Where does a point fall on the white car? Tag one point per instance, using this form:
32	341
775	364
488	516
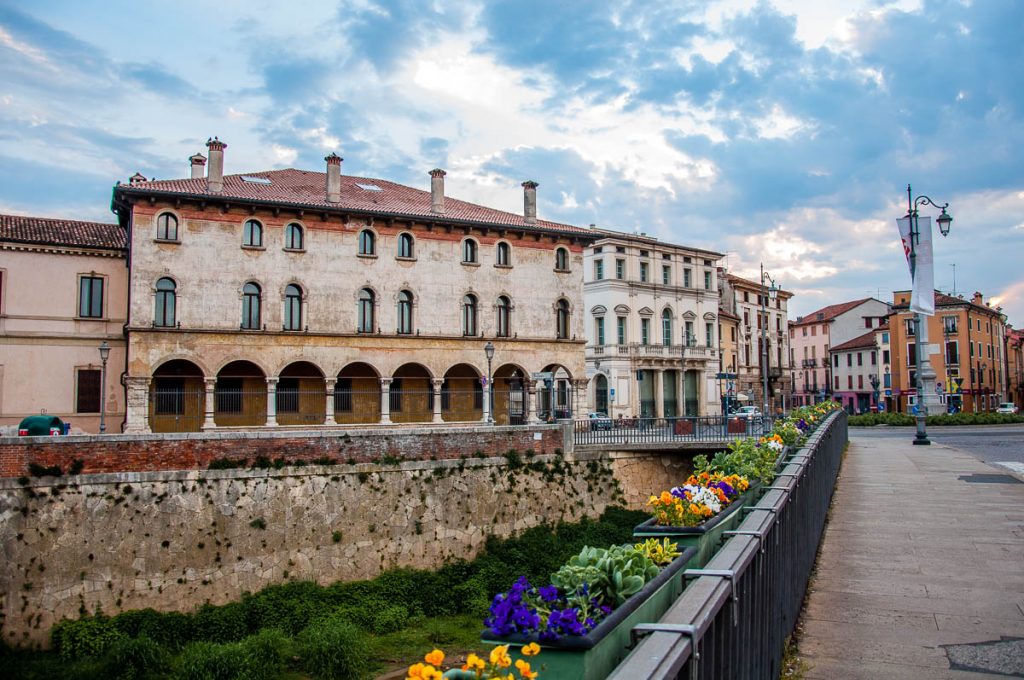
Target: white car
1008	408
747	412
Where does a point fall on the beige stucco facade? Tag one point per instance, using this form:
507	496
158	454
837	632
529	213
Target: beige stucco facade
335	372
46	347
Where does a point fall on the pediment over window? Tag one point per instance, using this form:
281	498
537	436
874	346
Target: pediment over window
621	309
689	316
709	317
599	310
646	311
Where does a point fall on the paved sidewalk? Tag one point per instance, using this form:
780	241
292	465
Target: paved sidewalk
921	572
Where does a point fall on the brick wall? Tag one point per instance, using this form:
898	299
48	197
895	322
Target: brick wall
195	451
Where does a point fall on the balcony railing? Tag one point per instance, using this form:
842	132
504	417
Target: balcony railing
636	349
650	430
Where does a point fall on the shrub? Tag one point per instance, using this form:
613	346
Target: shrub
220	624
288	606
135	658
333	648
37	470
85	638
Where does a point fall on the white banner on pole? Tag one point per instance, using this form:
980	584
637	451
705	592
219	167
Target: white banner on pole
922	296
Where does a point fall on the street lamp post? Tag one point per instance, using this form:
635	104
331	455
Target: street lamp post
773	291
104	355
489	353
925	375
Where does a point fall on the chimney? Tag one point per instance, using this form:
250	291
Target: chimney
198	162
530	201
977	299
136	178
437	190
215	175
333	177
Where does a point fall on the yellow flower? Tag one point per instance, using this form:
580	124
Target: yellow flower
524	670
666	497
531	649
431	673
435	658
415	672
500	657
474	663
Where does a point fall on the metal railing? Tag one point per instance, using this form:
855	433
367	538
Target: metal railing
669	430
734	616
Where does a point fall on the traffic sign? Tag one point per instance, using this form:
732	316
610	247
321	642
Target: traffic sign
725	376
545	375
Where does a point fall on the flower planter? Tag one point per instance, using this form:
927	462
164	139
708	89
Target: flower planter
593	656
706	536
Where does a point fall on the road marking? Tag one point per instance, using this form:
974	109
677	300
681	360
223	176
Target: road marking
1017	469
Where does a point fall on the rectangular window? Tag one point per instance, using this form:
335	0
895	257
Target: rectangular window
885	356
836	381
600	330
643	272
707	280
887	382
709	335
952	354
860	358
620	269
666	275
860	382
949	324
732	333
849	359
910	326
620	249
87	398
835	360
885	338
690	340
849	382
90	297
814	331
687	274
970	346
805	331
645	331
911	354
746	318
874	358
620	329
598	270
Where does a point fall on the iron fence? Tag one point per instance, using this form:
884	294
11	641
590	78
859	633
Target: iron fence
669	430
734	616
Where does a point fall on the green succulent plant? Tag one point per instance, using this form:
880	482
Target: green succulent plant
610	574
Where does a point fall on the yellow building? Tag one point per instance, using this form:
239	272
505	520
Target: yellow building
968	353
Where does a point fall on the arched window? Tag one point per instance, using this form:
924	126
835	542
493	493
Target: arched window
469	251
251	317
405	312
366	311
167	227
666	327
252	234
367	242
562	259
503	256
469	315
293	237
562	320
504	317
166	303
405	246
292	308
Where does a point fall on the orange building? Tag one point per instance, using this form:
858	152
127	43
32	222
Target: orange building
968	353
1015	366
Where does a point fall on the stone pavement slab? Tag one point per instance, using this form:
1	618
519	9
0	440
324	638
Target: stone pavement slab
921	570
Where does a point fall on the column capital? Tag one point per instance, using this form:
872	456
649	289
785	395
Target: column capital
210	382
138	381
438	383
386	382
272	382
331	383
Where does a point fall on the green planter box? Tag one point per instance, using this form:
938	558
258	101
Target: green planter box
593	656
706	536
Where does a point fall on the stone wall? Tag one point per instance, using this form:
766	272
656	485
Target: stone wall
174	540
643	474
188	451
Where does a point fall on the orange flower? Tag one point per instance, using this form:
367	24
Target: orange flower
524	670
435	658
474	663
500	657
531	649
666	497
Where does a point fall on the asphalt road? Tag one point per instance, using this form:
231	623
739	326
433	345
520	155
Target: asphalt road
987	443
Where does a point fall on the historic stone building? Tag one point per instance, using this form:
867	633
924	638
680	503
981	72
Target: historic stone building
743	298
292	297
652	327
63	287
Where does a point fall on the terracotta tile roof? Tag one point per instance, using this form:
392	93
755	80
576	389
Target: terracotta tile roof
828	313
859	342
727	314
943	300
308	189
57	232
753	285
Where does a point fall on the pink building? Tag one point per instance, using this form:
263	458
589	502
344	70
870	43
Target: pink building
812	336
63	292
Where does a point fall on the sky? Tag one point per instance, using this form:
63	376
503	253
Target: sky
781	132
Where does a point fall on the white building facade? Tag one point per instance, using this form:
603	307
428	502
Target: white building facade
651	326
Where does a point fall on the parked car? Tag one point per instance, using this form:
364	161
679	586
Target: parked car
600	421
1007	407
747	412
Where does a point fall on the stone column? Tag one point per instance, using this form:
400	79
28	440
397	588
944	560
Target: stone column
580	397
385	401
487	402
330	384
531	403
208	403
272	402
137	406
436	384
659	393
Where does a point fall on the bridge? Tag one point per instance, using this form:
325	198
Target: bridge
666	434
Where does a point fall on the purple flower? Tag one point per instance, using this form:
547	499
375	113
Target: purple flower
548	593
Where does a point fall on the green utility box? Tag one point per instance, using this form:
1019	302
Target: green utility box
40	426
